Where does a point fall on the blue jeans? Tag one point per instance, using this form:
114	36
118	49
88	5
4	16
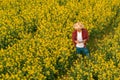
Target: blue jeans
83	51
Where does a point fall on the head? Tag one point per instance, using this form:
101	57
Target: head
78	26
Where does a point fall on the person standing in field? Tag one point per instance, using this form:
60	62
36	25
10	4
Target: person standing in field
79	38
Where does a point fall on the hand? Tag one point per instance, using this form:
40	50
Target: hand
77	42
80	41
84	41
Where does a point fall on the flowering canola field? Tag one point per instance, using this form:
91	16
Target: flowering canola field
35	40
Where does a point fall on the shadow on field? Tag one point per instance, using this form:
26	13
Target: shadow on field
94	36
97	34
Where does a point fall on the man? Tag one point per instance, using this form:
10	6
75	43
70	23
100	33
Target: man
79	38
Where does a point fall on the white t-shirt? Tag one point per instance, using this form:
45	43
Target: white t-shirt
79	38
